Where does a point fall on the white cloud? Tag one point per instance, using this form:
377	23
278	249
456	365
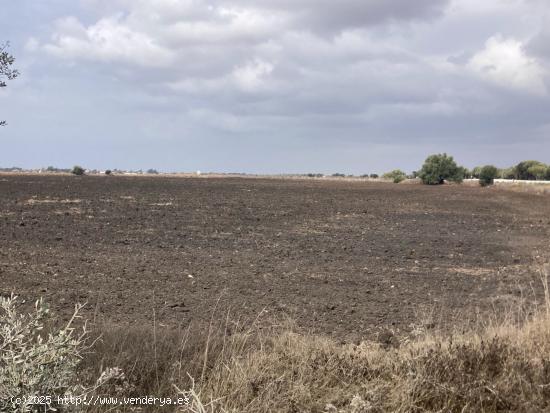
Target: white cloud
230	46
163	32
109	40
252	75
504	62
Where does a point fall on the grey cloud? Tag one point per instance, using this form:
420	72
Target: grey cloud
275	86
539	45
318	15
199	40
364	13
334	16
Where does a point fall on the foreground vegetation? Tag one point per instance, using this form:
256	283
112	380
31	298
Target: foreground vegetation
227	367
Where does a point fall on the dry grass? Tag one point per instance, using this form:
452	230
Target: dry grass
154	360
534	187
503	367
508	371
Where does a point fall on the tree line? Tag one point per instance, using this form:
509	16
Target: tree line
440	168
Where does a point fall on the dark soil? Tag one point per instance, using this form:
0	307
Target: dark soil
348	259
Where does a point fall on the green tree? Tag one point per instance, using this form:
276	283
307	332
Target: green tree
466	173
487	175
78	170
476	171
440	168
508	173
538	171
396	176
6	70
525	170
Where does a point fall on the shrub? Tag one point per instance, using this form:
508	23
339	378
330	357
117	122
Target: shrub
77	170
39	365
33	363
487	175
439	168
396	176
152	171
339	175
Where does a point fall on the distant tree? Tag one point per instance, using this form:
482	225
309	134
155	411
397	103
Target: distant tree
6	70
152	171
538	171
108	172
396	176
440	168
339	175
476	172
487	175
526	170
466	173
374	176
507	173
78	170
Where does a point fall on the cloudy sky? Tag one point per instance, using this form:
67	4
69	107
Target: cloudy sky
270	86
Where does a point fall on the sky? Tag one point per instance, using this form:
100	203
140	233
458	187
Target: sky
275	86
